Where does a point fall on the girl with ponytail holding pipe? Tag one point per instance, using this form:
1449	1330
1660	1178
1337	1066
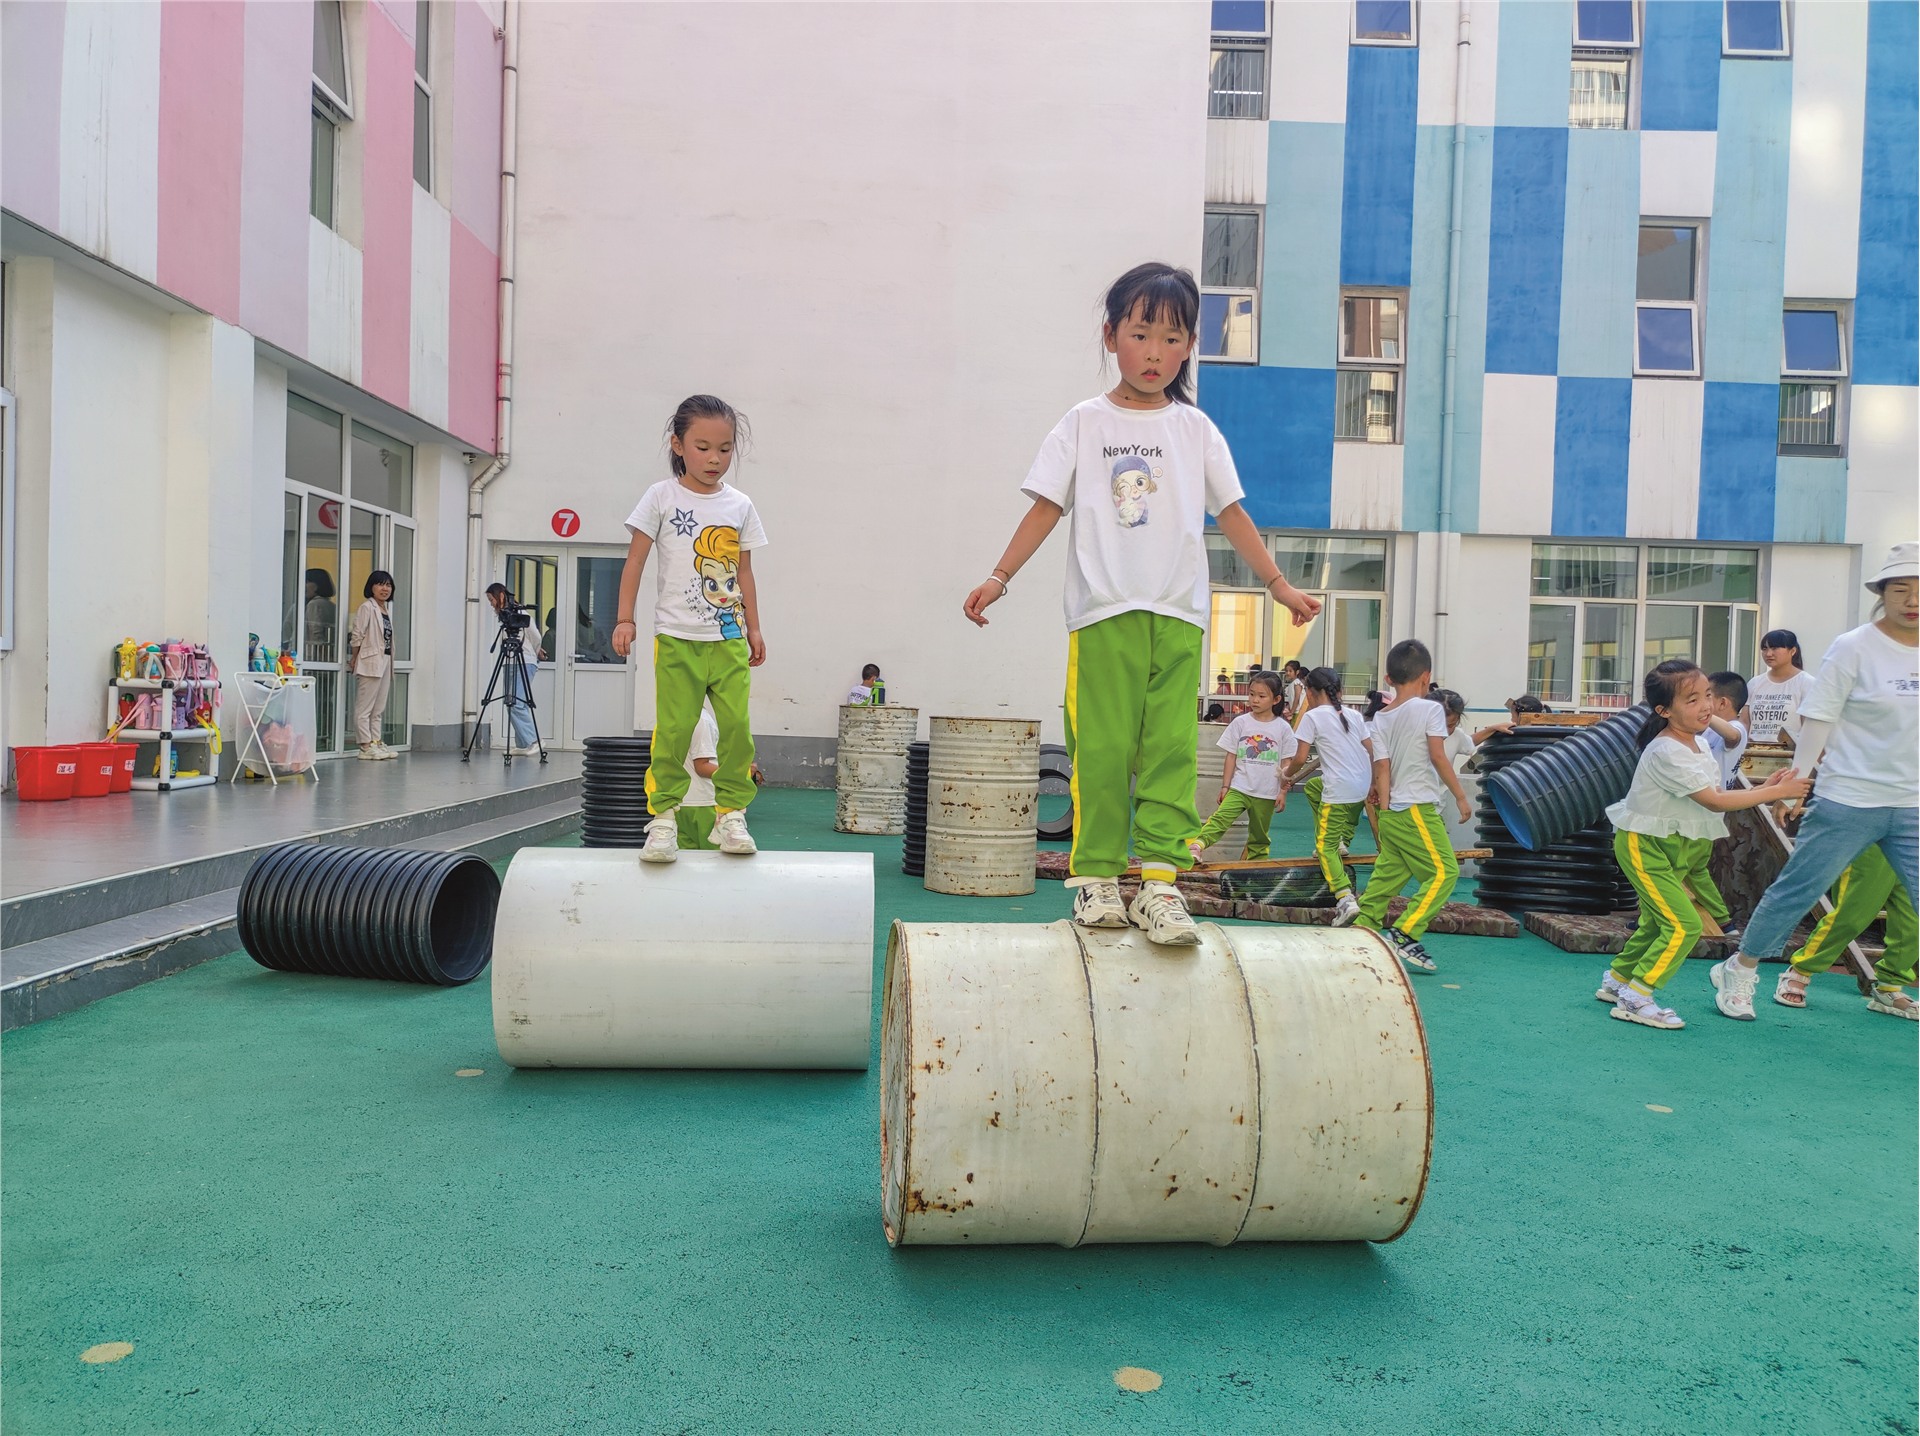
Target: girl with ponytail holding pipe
1337	795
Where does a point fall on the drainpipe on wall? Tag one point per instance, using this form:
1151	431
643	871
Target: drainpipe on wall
1443	589
503	400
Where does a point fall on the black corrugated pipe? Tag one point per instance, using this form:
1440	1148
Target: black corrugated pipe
1056	777
1567	786
913	846
391	913
1575	875
613	792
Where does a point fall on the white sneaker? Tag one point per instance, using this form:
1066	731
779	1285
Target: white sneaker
526	752
1733	986
730	832
1161	912
1345	909
663	839
1096	903
1610	988
383	752
1343	850
1638	1007
369	753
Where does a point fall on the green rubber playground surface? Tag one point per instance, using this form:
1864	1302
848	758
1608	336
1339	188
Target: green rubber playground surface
278	1190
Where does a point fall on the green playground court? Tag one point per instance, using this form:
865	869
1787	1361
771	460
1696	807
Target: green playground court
286	1196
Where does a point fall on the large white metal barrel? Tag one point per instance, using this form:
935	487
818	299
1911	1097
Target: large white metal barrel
1055	1084
601	960
983	799
1206	794
870	768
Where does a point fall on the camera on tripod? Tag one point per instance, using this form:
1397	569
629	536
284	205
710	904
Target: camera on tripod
515	616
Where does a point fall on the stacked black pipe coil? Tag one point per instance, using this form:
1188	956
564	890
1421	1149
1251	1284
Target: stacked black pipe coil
1056	780
913	847
613	792
1577	874
390	913
1566	786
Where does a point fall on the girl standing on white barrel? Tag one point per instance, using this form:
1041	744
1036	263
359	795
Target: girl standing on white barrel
1140	468
1864	715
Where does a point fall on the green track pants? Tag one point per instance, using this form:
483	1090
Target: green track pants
686	673
1863	889
1132	681
1333	824
1259	813
695	826
1663	872
1413	847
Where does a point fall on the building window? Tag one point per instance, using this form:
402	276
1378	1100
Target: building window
1755	29
1238	89
1373	354
1602	87
1611	23
332	105
422	97
1813	367
1249	630
1385	22
1667	318
1230	285
1591	601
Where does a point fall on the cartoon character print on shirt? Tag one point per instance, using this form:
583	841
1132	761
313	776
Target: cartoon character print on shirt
1133	479
715	592
1259	748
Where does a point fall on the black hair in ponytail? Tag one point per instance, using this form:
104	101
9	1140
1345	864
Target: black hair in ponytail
1376	700
1327	681
703	406
1662	686
1784	638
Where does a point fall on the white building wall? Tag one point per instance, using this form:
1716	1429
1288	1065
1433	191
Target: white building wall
1814	590
900	292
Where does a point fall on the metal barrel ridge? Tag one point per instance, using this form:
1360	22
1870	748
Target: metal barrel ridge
1568	784
983	800
396	914
1055	1084
870	768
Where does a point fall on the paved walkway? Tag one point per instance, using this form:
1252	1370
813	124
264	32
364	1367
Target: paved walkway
280	1192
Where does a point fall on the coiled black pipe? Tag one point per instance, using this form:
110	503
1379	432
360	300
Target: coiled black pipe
1568	785
391	913
1056	777
1574	875
913	845
613	792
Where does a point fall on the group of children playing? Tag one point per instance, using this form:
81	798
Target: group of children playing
1136	471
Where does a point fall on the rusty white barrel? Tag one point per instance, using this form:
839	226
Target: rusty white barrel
1206	794
983	800
870	768
1056	1084
601	960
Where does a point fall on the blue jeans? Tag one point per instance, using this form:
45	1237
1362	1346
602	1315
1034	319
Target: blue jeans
519	710
1831	837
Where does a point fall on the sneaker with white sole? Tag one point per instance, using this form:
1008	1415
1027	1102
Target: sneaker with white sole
369	753
1161	912
663	839
384	751
1345	909
1412	954
1610	988
731	835
1733	987
1097	904
1639	1007
1894	1002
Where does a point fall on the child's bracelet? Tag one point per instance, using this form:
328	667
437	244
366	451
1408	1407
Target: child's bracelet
1004	589
628	623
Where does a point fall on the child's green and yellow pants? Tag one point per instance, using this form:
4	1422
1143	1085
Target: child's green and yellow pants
1666	873
1867	886
1259	813
1333	824
686	673
1413	846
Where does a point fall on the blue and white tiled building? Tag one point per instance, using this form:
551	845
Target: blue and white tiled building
1565	334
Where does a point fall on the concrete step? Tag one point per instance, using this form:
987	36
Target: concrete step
66	970
33	917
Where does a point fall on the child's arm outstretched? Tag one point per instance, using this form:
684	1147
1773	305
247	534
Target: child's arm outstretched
750	608
1443	765
1245	538
624	631
1026	541
1784	784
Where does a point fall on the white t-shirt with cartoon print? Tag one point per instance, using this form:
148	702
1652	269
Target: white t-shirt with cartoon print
697	542
1137	488
1258	748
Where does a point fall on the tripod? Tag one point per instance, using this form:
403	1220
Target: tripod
512	651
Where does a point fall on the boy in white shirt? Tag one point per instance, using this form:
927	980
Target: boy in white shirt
695	816
1726	735
1256	744
870	690
1411	772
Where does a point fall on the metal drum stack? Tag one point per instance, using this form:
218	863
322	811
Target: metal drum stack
983	799
613	792
913	848
1576	874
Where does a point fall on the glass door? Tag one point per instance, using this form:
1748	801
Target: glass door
324	613
599	682
534	579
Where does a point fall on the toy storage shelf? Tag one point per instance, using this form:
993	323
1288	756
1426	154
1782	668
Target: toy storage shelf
165	737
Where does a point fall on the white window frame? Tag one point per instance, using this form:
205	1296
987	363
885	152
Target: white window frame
1693	306
1274	620
1631	58
1836	379
423	84
335	110
1240	291
1581	42
1785	52
341	105
1411	42
1261	40
1359	364
1818	306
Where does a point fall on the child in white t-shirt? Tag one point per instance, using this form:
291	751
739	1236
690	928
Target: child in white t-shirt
706	622
871	690
1256	743
1138	469
1336	795
1726	735
1772	713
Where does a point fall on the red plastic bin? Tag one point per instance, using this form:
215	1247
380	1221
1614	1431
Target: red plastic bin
94	779
124	757
45	775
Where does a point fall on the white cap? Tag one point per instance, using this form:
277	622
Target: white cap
1903	561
